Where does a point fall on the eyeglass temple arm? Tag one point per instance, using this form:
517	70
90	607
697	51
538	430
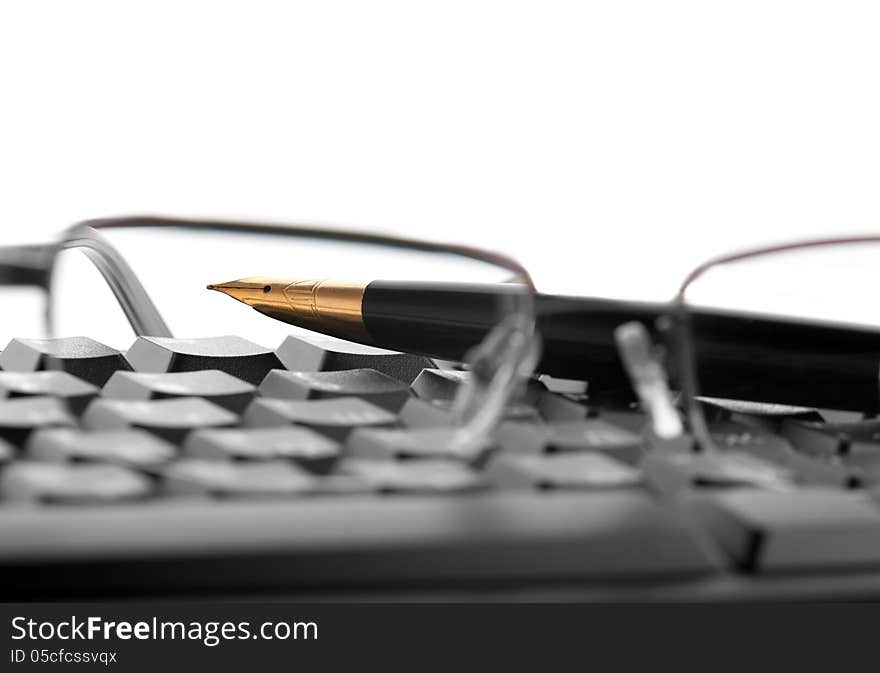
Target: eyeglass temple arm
140	310
33	265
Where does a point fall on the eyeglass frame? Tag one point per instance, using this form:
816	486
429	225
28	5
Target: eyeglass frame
676	326
495	381
33	265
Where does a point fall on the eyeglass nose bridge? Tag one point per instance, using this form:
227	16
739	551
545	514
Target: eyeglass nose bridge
499	366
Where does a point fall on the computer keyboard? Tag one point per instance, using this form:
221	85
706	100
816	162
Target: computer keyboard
215	466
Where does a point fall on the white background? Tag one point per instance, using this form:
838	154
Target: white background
608	145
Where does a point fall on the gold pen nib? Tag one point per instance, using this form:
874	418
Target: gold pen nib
331	307
251	291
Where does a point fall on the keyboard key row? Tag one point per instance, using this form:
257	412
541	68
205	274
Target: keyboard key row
419	413
133	448
174	417
299	444
239	357
313	352
211	477
568	436
147	451
19	417
214	385
95	362
335	417
75	392
72	483
563	471
85	358
226	371
171	419
596	537
406	444
59	465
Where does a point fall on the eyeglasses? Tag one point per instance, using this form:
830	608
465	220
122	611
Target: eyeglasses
768	332
810	337
114	279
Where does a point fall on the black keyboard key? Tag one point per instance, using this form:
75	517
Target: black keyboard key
808	529
574	388
758	417
594	539
419	413
215	386
19	417
414	476
72	483
313	352
334	417
132	448
438	384
373	386
171	419
442	385
766	446
405	444
839	458
674	474
815	439
237	479
566	436
863	457
571	470
861	430
555	407
231	354
7	451
631	419
829	440
834	473
75	392
302	445
733	435
85	358
717	409
597	540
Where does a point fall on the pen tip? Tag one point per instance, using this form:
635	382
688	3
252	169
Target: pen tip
247	290
229	285
222	287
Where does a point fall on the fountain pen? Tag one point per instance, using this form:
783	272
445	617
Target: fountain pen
739	356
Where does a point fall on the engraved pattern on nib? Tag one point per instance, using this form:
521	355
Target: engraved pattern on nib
301	297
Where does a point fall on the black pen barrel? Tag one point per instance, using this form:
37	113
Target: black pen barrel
738	357
442	320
